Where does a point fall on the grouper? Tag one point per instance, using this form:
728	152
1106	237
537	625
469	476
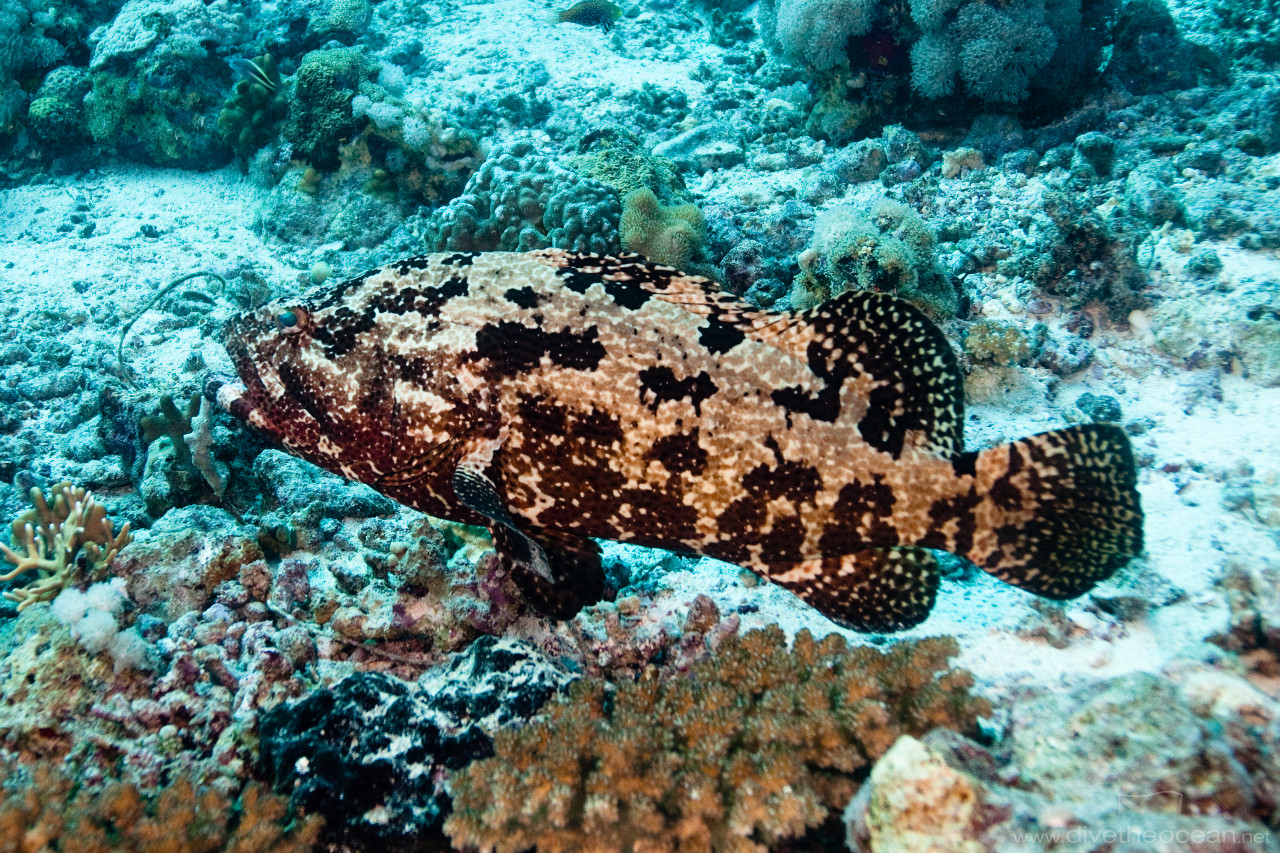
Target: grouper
560	398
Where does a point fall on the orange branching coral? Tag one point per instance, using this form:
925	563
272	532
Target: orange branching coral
43	810
48	539
757	744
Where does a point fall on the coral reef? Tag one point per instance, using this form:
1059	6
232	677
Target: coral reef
755	745
1082	192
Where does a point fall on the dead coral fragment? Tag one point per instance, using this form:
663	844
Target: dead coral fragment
757	744
48	539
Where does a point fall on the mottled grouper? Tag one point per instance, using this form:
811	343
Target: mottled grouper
556	398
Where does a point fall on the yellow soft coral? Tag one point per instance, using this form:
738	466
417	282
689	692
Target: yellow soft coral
47	539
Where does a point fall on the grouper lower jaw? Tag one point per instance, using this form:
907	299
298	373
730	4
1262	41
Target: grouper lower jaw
559	398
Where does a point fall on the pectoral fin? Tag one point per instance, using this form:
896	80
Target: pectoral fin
477	491
577	576
876	590
558	573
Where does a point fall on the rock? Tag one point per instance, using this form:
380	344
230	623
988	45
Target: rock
1131	736
1098	149
862	161
296	484
947	793
1101	408
1204	261
496	681
917	804
1150	197
706	147
176	571
744	265
369	753
52	385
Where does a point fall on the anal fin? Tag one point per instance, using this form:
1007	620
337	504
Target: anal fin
875	590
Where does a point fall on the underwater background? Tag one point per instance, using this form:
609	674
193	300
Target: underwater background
208	644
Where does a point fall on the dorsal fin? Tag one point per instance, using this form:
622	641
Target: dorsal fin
694	293
918	399
920	389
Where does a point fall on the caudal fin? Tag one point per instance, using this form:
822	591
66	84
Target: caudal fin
1063	510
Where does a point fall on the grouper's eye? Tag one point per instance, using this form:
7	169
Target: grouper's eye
291	321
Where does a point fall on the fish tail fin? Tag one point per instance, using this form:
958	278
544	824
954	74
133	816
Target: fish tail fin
1063	509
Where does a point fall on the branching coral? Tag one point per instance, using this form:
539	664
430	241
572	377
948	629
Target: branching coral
49	539
757	744
43	809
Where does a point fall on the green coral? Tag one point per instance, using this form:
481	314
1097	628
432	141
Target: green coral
619	160
520	200
889	249
55	122
320	117
997	342
152	123
756	744
254	107
56	115
344	16
665	235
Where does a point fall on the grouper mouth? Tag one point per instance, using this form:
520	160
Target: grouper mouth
245	395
